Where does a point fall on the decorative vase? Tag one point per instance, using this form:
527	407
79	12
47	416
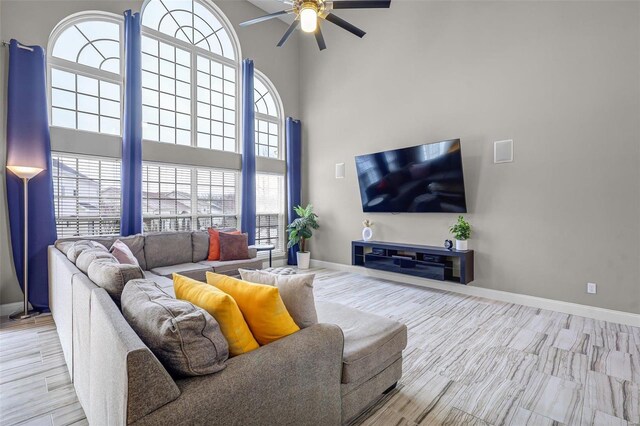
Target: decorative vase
367	233
461	245
303	259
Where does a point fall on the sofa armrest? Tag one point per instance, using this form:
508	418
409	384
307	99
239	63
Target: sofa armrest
293	381
253	253
126	380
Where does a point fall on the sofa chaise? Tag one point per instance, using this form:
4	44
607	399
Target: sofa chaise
326	374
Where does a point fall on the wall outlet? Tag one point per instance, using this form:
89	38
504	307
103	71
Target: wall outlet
591	288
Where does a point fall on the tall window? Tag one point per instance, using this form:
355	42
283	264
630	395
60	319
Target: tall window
190	69
270	210
179	198
86	74
268	118
86	193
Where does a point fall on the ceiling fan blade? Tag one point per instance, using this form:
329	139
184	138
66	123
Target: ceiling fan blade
362	4
320	39
265	17
290	31
345	25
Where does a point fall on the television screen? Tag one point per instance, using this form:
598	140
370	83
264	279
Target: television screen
423	178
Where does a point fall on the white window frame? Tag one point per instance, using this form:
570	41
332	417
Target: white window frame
280	249
279	120
195	51
193	216
81	69
98	218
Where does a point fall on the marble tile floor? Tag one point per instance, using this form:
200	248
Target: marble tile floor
469	361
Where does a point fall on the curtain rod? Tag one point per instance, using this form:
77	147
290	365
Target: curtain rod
5	43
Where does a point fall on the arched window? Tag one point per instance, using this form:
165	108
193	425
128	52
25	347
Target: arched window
85	66
190	69
268	110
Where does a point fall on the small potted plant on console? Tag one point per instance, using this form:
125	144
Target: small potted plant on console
300	230
462	231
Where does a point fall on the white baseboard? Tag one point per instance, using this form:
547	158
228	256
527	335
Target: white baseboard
593	312
9	308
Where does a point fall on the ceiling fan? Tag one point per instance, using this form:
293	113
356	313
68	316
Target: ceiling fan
309	12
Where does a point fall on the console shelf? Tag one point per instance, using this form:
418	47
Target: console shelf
436	263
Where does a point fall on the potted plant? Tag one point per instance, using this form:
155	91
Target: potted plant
462	231
300	230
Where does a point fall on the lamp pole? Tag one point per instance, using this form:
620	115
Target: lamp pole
25	173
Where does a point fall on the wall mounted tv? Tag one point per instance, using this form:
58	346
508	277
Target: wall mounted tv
418	179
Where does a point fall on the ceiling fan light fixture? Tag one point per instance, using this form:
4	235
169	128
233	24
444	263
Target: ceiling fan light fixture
309	17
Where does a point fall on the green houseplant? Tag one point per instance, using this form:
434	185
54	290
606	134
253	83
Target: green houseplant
300	230
462	231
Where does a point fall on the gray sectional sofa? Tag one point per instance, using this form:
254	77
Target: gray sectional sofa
326	374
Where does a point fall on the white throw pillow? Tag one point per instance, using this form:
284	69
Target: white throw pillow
296	292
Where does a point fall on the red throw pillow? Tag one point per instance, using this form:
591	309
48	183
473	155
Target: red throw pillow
234	246
214	242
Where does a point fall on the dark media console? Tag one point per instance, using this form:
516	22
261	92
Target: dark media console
436	263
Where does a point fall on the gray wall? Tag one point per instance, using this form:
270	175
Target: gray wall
560	78
31	22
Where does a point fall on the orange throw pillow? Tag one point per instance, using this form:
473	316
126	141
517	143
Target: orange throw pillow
214	243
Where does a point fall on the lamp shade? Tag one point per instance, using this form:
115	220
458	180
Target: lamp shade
25	172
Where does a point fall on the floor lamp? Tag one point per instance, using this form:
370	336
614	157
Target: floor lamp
25	173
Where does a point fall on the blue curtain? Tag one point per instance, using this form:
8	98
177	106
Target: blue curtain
294	175
248	213
28	144
131	173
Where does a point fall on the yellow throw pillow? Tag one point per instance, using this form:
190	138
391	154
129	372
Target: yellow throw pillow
222	307
261	306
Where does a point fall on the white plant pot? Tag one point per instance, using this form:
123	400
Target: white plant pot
462	245
367	234
303	259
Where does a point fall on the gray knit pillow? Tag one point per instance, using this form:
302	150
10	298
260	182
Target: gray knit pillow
81	245
113	276
87	257
185	338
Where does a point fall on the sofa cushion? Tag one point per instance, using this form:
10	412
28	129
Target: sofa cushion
162	282
113	276
223	308
191	270
214	241
231	267
296	292
88	256
233	247
185	338
199	246
167	248
79	246
64	245
123	253
136	244
261	306
370	341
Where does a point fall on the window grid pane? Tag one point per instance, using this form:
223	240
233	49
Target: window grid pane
166	93
216	105
270	210
86	195
267	140
168	192
191	22
84	103
92	43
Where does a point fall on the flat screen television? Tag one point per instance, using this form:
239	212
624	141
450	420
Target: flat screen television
418	179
